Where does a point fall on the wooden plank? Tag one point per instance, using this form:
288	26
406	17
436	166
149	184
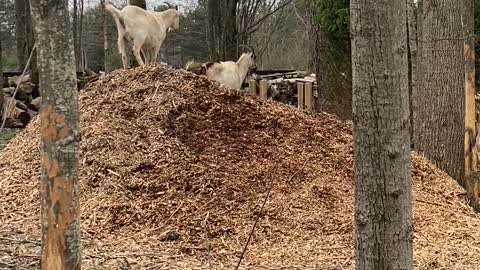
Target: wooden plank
300	92
263	89
308	97
252	87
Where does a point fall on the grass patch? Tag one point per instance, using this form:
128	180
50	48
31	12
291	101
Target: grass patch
6	135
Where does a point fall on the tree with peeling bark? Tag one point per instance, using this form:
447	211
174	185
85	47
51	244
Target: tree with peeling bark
381	138
439	118
60	136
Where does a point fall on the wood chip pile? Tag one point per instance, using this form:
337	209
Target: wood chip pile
174	169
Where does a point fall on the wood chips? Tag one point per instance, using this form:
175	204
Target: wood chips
174	169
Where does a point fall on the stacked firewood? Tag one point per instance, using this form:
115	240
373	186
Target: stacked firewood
18	110
282	85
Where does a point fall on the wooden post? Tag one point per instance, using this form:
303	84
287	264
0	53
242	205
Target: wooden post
300	95
252	87
263	89
308	96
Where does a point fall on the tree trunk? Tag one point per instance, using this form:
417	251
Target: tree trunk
383	210
412	57
230	31
80	37
139	3
222	29
21	34
60	136
1	80
75	35
439	118
214	25
33	62
106	55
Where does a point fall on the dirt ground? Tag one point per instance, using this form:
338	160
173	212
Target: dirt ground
174	170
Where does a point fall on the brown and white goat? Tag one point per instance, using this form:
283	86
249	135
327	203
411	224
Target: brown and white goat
144	30
229	73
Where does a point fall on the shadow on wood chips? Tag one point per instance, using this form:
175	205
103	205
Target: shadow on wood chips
173	171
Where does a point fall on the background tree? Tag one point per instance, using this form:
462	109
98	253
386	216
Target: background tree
331	55
381	138
438	120
138	3
21	32
60	136
1	79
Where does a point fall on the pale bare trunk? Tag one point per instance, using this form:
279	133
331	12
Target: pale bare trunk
60	135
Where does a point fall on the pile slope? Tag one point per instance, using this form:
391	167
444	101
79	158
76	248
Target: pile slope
174	169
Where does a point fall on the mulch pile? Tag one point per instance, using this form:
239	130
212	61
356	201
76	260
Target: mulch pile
175	168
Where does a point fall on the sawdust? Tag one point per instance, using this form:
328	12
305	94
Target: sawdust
174	169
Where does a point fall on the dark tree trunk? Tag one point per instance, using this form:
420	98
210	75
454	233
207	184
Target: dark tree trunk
75	35
21	33
383	210
106	54
60	136
139	3
33	62
412	57
80	37
222	29
1	81
439	118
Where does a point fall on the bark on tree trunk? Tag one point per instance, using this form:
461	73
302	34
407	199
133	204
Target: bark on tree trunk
139	3
60	135
439	119
75	34
412	57
383	211
1	81
222	29
106	55
21	34
80	34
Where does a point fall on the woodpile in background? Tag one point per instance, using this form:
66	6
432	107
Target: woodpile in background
21	108
282	85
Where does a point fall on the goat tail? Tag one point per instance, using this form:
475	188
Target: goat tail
117	16
115	11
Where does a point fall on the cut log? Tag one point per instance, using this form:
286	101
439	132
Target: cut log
15	80
26	87
9	90
21	105
82	81
22	116
36	104
90	72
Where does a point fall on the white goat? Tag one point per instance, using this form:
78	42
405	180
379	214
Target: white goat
146	30
229	73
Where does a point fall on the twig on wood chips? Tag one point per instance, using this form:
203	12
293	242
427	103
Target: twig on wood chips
263	206
256	221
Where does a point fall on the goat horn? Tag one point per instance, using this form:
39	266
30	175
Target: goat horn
170	5
248	46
